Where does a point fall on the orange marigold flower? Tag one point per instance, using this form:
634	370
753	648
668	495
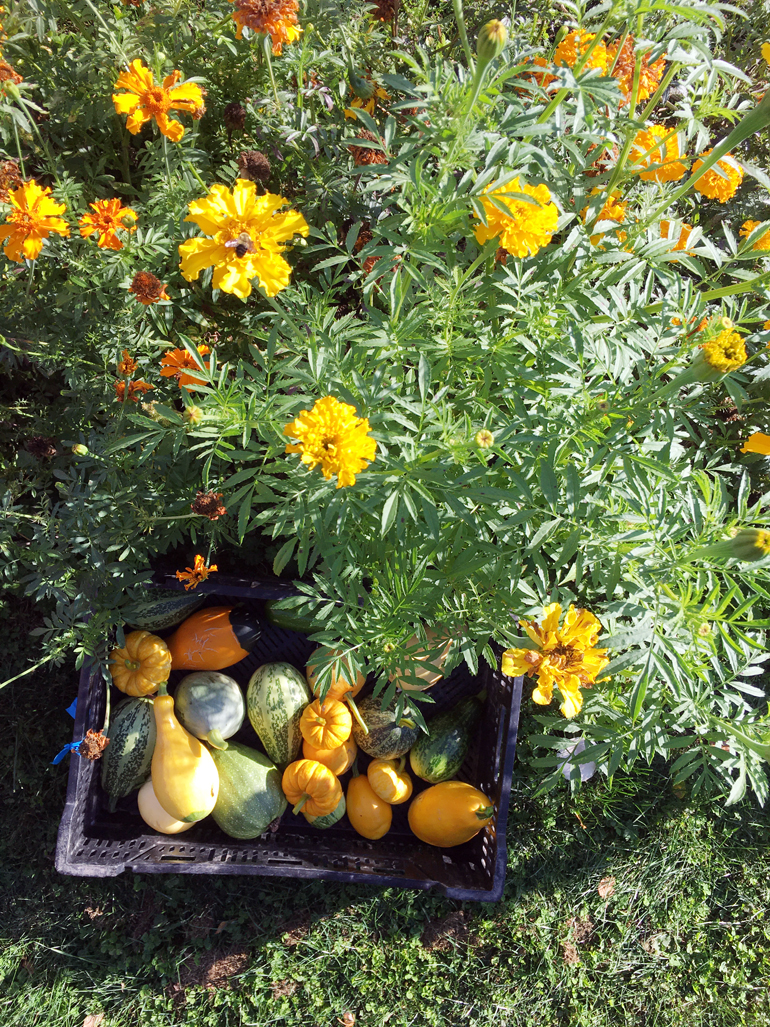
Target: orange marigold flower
9	178
625	67
145	100
660	159
108	217
7	74
147	288
135	390
34	216
543	78
613	209
127	366
758	442
274	18
527	226
178	362
718	186
574	45
193	576
763	242
666	230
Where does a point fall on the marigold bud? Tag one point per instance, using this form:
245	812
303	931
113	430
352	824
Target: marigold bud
491	41
484	438
80	450
193	415
750	544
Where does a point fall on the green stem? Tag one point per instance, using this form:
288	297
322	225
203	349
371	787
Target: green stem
29	670
356	713
215	739
457	7
301	803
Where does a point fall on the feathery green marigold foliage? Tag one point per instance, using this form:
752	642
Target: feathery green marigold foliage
487	342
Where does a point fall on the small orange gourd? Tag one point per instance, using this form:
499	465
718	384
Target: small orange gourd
312	787
327	724
342	687
141	665
390	781
450	813
369	815
337	760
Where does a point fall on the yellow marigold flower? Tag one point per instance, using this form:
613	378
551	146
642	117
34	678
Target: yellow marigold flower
107	218
758	442
145	100
565	657
366	105
274	18
176	363
766	51
527	227
147	288
625	67
666	230
246	236
574	45
127	366
613	209
763	242
334	436
660	159
34	216
766	326
716	186
725	352
193	576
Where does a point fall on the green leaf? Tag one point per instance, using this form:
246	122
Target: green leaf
283	556
389	512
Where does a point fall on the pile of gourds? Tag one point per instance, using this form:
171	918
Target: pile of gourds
176	750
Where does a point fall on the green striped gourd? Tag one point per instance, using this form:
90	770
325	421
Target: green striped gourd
439	755
388	736
275	699
127	759
330	819
162	608
250	795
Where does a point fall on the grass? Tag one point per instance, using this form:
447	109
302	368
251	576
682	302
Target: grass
680	936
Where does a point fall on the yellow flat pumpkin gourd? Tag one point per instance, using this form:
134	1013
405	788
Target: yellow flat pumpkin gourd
390	781
184	776
143	663
327	724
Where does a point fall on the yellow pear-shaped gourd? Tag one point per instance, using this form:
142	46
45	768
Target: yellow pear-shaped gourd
184	776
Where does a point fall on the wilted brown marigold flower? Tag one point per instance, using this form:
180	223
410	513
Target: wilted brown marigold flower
384	10
207	505
234	117
364	155
93	745
364	237
254	166
147	288
7	74
127	366
9	178
41	447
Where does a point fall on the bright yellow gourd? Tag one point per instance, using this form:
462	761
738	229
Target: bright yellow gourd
153	814
390	781
342	687
184	776
327	724
141	665
368	814
310	786
337	760
450	813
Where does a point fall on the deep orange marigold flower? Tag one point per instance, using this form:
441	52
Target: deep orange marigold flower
147	288
176	363
145	100
193	576
666	232
108	217
135	390
718	186
7	73
34	216
574	45
625	66
613	209
127	366
274	18
543	78
763	242
660	159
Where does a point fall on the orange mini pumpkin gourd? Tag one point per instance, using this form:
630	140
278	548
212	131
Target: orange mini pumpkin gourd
450	813
141	665
341	688
327	724
337	760
369	815
312	787
390	781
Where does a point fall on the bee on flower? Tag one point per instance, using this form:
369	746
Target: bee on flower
144	100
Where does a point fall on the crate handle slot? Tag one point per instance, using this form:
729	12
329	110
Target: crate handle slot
177	859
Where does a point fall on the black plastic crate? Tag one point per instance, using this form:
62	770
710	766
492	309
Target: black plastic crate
93	842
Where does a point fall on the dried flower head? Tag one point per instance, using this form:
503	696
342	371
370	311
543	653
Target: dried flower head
193	576
107	218
93	745
234	117
763	242
364	237
384	10
34	215
147	288
334	436
41	447
135	390
625	68
274	18
127	366
527	226
254	166
207	504
10	178
8	74
718	186
365	155
144	100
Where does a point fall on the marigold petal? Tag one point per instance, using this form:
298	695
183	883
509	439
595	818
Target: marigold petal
542	693
758	442
125	102
232	279
169	127
198	254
